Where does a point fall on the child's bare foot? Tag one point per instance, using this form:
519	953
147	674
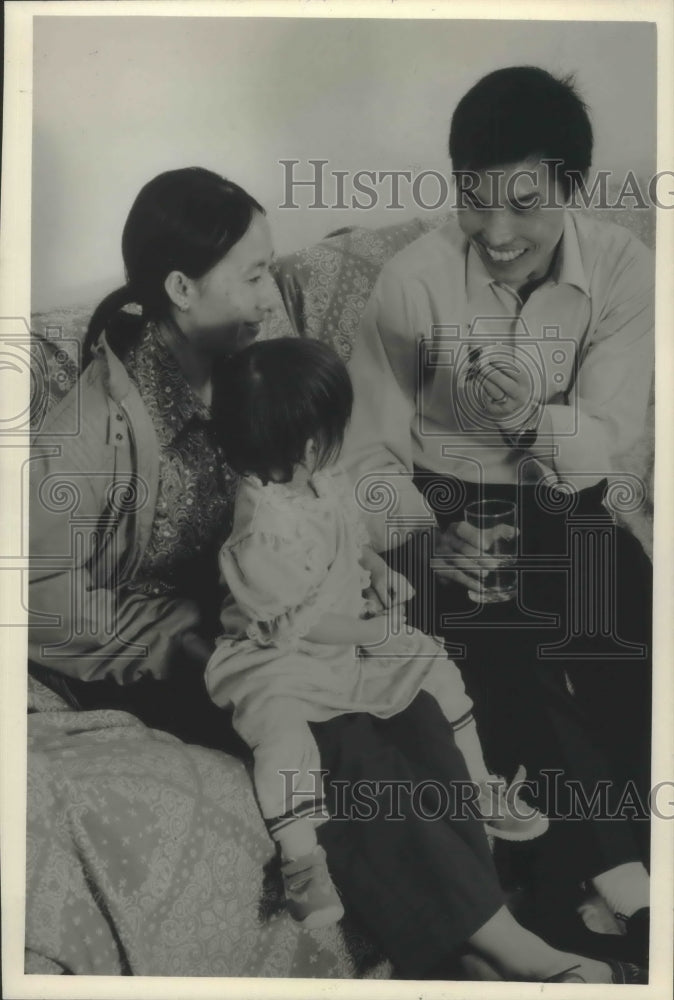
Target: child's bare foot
310	894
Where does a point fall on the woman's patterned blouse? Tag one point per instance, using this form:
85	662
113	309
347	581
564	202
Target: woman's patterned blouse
196	488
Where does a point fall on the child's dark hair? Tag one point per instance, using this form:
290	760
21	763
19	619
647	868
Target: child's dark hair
514	114
182	220
275	395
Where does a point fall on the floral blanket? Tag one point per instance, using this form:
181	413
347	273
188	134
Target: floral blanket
147	856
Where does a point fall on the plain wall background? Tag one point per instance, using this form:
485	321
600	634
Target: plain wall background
119	99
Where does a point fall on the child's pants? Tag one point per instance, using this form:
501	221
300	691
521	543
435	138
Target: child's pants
287	769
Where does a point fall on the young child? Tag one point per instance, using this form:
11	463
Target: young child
297	643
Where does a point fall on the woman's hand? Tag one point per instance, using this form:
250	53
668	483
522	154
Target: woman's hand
387	588
465	551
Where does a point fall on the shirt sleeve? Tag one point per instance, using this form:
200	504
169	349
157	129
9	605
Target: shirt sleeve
76	626
378	446
604	414
276	582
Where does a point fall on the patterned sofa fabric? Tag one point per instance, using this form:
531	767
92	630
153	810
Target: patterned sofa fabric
325	286
148	856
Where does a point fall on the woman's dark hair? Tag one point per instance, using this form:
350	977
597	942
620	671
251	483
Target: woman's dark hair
183	220
518	113
272	397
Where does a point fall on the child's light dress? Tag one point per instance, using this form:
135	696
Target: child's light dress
290	559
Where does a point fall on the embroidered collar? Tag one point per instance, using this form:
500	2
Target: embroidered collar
168	397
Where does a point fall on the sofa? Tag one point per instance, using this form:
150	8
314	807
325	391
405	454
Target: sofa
146	855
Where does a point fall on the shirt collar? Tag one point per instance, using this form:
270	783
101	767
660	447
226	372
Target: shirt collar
569	264
168	397
567	269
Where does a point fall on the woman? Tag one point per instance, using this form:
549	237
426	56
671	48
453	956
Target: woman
127	518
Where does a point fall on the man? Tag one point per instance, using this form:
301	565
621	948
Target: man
508	355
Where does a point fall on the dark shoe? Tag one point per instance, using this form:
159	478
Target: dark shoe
637	936
564	928
621	972
630	947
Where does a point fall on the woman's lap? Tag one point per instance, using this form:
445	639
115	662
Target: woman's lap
422	886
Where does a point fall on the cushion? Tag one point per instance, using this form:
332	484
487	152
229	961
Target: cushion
325	286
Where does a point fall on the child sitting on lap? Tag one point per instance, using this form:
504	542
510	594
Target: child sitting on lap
297	643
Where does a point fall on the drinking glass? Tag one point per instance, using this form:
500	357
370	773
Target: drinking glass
500	583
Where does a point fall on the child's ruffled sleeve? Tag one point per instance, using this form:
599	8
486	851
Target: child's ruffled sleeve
275	580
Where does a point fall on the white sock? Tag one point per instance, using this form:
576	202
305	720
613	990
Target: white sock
297	839
468	742
625	888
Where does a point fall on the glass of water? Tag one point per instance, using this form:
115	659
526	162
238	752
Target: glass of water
489	516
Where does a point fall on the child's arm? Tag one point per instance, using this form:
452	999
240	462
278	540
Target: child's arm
336	630
389	587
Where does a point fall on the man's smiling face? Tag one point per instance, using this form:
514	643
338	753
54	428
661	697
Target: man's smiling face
514	217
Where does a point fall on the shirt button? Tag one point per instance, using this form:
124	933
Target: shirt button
119	416
120	437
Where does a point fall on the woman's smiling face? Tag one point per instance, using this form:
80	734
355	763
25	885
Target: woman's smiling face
228	304
514	217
